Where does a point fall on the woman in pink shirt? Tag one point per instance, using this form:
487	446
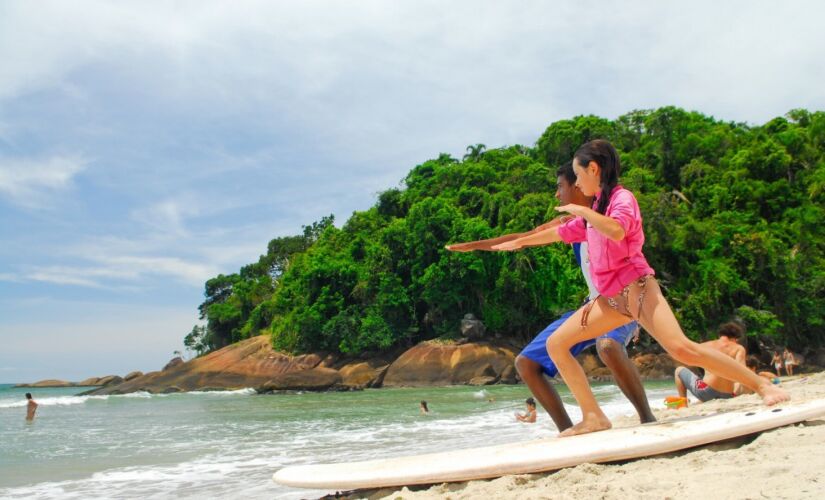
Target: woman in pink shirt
625	282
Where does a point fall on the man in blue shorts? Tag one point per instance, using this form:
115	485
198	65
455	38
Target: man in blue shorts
534	362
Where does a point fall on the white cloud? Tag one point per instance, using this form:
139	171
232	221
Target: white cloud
32	183
113	271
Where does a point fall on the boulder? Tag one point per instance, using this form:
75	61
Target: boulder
133	375
433	363
482	380
176	361
91	381
315	379
472	328
369	373
655	366
110	380
509	375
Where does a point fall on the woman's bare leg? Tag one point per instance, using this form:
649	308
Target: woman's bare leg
601	319
657	318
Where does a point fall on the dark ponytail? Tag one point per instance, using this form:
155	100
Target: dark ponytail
607	158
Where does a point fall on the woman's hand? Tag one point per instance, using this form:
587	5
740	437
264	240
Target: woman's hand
575	210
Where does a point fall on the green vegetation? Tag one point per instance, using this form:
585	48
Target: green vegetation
733	218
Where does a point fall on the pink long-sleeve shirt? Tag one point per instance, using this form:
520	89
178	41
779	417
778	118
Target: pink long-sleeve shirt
613	264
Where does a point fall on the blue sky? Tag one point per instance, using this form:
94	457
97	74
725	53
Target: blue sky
148	146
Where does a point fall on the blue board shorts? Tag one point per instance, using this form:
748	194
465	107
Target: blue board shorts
537	349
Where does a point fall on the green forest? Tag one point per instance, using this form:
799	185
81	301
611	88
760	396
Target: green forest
733	217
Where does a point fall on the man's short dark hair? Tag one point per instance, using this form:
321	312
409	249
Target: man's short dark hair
567	172
28	395
752	362
731	330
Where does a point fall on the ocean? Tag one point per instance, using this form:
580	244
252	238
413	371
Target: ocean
228	444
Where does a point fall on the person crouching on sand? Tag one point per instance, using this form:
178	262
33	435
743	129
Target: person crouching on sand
628	290
529	416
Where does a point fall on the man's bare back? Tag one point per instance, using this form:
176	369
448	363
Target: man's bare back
731	348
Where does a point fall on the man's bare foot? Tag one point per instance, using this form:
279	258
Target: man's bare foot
592	424
772	394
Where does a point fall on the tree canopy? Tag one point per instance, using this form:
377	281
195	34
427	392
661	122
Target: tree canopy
733	217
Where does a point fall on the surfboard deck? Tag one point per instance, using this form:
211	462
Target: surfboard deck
548	454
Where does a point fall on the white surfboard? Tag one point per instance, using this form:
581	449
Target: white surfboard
548	454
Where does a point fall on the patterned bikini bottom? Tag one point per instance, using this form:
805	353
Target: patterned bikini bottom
622	300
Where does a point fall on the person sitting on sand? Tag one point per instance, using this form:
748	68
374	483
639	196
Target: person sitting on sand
777	362
529	416
533	363
712	386
790	361
31	407
423	408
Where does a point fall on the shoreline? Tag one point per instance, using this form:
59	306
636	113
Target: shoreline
786	462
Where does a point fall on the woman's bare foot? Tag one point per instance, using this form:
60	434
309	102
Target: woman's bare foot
772	394
591	423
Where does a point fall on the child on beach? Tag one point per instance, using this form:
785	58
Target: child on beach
529	416
777	363
628	290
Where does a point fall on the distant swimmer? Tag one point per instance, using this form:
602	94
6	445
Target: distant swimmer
31	407
530	415
712	386
425	410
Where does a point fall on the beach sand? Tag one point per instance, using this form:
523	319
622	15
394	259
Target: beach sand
782	463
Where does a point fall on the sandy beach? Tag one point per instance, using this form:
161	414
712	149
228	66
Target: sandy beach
782	463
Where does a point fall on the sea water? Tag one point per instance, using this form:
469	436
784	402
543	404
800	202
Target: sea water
228	444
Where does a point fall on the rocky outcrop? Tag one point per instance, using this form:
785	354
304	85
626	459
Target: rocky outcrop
472	328
434	363
110	380
49	383
176	361
315	379
364	373
91	381
249	363
651	366
132	375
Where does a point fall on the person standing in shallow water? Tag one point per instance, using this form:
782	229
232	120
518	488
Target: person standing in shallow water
533	363
31	407
626	285
424	408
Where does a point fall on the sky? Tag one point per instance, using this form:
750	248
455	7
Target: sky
146	147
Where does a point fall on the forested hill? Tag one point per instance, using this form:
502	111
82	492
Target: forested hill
734	217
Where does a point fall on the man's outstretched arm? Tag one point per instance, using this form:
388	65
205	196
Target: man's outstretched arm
487	245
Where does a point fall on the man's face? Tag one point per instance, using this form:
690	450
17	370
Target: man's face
564	191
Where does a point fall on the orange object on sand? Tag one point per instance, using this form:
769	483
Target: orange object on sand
675	402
